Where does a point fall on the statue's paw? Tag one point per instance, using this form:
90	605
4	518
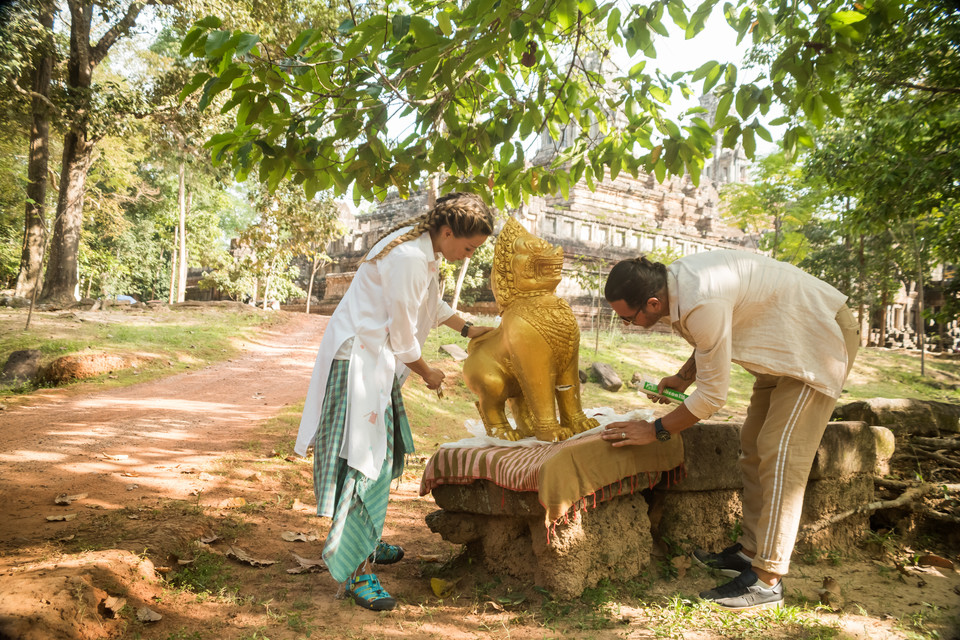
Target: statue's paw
505	432
555	434
584	424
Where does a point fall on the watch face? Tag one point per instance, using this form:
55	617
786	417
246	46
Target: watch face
663	435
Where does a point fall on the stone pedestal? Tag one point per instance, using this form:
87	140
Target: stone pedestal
505	530
705	508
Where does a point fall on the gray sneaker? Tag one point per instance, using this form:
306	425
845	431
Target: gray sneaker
728	562
746	591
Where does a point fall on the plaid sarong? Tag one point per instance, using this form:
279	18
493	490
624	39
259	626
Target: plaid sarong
357	504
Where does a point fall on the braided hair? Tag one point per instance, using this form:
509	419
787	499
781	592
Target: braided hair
635	281
465	213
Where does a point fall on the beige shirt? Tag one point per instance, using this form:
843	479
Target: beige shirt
767	316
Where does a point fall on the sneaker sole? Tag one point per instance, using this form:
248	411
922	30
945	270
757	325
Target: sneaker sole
729	573
764	605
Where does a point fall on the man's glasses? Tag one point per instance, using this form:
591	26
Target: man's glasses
631	319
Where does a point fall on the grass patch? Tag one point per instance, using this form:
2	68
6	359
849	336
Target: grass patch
163	341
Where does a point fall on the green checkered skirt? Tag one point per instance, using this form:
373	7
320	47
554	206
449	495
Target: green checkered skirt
357	504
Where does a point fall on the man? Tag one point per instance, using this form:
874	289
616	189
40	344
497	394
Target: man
790	330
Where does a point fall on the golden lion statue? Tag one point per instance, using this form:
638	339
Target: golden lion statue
531	359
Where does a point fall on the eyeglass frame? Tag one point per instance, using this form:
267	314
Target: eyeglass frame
632	319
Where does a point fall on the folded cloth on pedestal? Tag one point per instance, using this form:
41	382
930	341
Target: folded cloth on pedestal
563	474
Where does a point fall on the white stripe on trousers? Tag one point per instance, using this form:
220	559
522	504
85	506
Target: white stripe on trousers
776	502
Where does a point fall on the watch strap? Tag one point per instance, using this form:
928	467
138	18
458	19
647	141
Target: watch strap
465	329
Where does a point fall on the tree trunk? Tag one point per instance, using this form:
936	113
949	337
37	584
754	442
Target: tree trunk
456	290
313	274
182	201
173	266
34	224
63	275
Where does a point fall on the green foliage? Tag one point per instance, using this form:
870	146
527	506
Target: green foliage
480	82
207	574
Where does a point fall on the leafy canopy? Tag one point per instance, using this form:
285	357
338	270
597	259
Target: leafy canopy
479	83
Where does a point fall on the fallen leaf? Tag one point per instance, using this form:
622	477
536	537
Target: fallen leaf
62	518
207	538
255	477
429	558
232	503
293	458
65	499
121	456
243	556
67	538
306	565
443	588
299	506
291	536
130	474
145	614
114	604
932	560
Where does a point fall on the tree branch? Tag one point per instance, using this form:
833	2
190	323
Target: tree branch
908	496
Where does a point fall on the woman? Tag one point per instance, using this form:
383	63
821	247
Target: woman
354	413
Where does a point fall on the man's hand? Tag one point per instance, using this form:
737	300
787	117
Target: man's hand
675	382
629	432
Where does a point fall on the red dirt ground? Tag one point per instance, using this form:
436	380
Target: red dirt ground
164	463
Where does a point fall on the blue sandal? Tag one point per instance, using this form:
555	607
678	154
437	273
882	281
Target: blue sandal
386	553
366	591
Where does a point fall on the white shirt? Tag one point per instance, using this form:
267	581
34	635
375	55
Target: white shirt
770	317
387	312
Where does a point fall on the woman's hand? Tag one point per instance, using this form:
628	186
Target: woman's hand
433	378
476	331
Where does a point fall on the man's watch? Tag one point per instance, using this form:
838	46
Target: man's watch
465	329
662	434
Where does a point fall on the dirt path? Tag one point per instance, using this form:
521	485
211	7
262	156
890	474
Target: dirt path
61	442
158	465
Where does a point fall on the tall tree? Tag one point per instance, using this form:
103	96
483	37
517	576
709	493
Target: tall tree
62	275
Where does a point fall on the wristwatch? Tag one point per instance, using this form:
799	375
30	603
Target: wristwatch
662	434
466	328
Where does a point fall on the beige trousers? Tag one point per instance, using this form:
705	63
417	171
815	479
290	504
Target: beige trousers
780	436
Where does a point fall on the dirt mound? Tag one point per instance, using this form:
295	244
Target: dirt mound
85	365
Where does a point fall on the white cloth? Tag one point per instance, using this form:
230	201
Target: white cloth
388	311
479	438
767	316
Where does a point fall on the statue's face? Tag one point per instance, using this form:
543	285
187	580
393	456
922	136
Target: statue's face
524	263
536	264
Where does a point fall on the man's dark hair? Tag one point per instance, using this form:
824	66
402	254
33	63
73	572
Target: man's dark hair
635	281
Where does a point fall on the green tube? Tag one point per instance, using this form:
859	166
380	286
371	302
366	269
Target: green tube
670	394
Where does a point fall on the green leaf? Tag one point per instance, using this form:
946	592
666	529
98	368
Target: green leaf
723	107
193	84
346	26
443	20
844	18
210	22
749	143
613	22
712	77
401	26
566	14
518	30
216	43
190	39
299	42
246	42
703	70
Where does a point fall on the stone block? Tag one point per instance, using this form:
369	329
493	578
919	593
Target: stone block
828	497
485	498
21	366
846	449
611	541
904	416
695	519
711	454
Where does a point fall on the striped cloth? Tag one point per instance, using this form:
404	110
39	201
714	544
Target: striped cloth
563	474
357	504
